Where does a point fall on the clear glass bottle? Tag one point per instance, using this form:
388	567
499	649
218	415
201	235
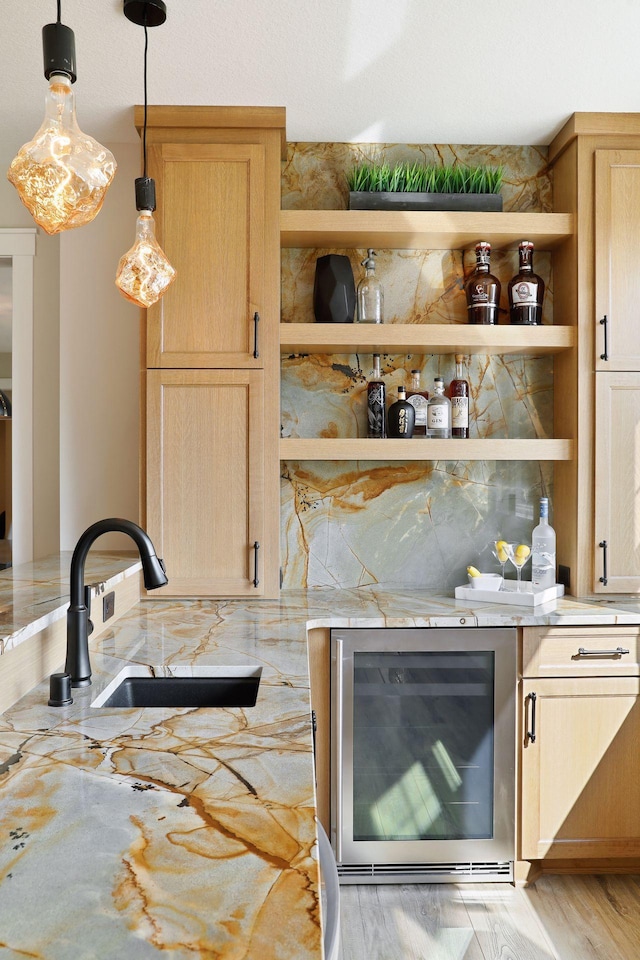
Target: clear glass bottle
418	398
482	289
439	412
459	396
376	403
543	549
526	289
401	416
370	294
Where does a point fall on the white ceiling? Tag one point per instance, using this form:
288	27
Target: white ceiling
426	71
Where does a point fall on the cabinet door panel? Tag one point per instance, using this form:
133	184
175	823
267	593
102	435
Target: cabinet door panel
581	777
211	226
617	248
617	492
205	478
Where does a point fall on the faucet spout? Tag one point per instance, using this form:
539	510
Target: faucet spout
77	663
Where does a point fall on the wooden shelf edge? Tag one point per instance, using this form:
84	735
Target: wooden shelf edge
428	338
421	448
421	230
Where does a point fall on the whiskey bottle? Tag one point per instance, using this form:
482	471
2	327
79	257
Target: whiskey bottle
418	400
439	412
482	289
401	416
376	403
370	294
526	289
459	395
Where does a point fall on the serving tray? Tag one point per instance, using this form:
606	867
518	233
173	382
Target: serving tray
526	597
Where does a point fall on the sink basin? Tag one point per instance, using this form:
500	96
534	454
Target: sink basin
183	687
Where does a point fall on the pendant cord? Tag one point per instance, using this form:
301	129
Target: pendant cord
144	128
59	10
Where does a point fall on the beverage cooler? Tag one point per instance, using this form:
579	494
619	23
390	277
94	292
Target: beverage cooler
423	754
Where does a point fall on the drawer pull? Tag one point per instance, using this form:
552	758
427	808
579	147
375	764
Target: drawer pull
618	652
531	734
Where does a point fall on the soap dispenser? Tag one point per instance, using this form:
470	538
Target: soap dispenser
370	295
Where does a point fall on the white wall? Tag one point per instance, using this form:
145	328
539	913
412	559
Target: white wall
99	366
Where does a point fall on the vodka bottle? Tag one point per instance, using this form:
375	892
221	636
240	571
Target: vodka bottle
482	289
526	289
418	397
376	403
439	412
370	294
543	548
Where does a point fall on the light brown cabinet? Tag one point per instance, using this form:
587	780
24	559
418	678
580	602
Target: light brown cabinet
579	762
210	485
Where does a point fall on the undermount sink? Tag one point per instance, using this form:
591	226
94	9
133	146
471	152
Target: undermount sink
182	687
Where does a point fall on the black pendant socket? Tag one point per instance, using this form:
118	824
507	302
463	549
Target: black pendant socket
149	12
145	193
59	50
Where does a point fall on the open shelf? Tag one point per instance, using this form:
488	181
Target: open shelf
419	229
421	448
426	338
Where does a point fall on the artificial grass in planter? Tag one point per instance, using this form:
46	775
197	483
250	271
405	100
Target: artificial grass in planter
381	185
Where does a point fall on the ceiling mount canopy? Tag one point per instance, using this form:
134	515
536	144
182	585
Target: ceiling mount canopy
150	13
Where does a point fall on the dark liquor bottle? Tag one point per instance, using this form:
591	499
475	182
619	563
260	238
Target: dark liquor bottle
418	400
526	289
376	403
401	416
459	396
482	289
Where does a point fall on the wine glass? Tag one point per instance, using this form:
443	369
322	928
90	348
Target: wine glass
498	549
518	554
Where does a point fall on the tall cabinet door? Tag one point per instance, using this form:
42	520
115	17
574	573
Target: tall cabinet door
205	476
617	250
580	792
617	490
210	223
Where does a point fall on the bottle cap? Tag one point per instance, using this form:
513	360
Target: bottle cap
369	263
438	380
415	371
402	392
459	357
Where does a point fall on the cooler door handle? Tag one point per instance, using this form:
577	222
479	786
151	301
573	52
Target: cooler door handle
531	734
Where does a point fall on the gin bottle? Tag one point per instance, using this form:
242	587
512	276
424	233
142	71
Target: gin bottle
439	412
526	289
482	289
370	295
376	403
543	550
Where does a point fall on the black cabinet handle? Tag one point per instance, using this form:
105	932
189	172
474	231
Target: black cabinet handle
256	547
256	321
604	578
605	323
531	734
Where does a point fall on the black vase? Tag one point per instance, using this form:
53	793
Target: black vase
334	290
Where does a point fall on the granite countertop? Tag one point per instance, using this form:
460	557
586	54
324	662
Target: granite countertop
130	832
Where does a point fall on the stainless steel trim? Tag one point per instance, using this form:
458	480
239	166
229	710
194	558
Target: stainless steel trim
618	652
339	731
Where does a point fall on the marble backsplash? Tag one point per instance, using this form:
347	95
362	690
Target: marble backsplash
413	523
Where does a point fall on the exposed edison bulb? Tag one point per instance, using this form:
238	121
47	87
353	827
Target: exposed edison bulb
62	175
144	273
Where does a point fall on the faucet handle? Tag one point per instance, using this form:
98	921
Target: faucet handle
87	603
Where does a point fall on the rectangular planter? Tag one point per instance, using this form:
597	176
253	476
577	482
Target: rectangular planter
377	200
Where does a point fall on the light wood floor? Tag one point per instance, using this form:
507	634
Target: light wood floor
558	918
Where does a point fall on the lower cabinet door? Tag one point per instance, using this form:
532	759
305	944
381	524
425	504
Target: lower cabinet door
205	479
580	765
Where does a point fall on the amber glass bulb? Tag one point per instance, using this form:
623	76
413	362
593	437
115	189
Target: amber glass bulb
144	273
62	174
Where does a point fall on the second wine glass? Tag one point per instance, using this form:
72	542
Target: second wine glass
518	554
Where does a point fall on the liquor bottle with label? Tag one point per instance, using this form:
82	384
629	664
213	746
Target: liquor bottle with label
459	395
439	412
482	289
418	399
526	289
370	294
376	403
543	549
401	416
